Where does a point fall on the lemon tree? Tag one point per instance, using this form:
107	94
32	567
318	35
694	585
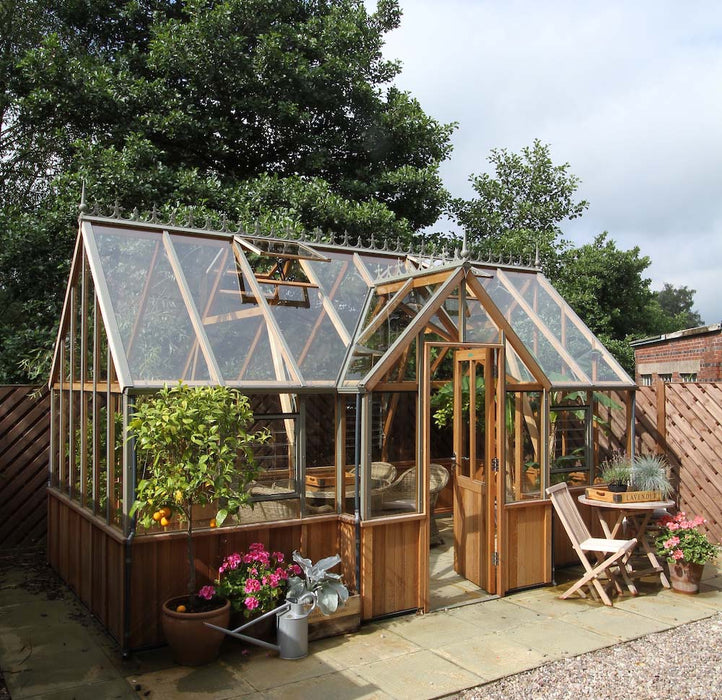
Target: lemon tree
194	449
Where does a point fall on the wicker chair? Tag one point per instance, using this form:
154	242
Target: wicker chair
401	494
380	471
438	478
267	511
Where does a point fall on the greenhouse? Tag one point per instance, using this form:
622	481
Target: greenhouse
419	403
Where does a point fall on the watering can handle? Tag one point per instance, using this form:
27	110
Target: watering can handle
308	597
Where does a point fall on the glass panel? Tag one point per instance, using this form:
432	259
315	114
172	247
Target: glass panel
154	325
528	331
344	286
516	369
479	326
593	359
312	338
275	248
233	320
524	445
275	492
382	266
393	477
372	349
570	419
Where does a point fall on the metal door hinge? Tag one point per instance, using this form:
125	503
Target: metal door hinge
495	558
495	464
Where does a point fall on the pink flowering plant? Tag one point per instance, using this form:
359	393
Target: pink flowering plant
681	540
255	581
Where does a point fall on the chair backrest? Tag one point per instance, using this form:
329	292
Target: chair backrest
568	513
383	471
438	477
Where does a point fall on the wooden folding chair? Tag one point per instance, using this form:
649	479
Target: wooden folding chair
608	554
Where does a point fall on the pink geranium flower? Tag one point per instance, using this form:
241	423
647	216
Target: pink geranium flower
251	603
207	592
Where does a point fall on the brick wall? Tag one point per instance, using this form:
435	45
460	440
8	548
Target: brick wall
698	354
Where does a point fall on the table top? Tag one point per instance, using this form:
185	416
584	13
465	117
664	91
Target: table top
638	505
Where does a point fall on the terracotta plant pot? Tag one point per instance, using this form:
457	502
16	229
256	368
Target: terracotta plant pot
193	643
685	577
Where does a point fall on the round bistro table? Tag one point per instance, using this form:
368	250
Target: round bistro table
638	514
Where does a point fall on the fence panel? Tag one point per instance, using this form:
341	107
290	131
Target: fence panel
684	422
24	455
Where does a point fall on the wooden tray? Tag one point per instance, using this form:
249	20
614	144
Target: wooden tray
623	496
326	478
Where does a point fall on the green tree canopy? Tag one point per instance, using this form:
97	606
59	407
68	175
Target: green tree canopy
521	205
677	305
280	112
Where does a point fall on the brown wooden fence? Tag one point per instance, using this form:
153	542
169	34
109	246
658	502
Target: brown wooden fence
24	454
684	422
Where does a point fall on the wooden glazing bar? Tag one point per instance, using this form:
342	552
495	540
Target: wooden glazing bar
386	311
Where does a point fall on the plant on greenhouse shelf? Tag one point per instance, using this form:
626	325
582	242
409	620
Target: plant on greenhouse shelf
680	540
317	581
255	581
196	450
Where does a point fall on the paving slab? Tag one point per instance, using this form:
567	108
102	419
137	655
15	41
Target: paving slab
556	639
342	685
496	615
622	625
371	643
216	681
492	656
422	674
669	607
433	630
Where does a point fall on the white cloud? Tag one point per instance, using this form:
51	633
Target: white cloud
628	93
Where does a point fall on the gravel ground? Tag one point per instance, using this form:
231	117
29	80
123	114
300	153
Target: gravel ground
681	664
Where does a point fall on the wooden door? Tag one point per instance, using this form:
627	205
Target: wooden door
476	463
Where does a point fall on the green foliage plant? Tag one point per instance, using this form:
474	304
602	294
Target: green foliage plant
196	451
650	473
318	581
617	470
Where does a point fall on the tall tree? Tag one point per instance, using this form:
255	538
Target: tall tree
522	204
677	305
277	111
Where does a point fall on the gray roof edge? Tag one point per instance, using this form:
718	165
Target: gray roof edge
686	333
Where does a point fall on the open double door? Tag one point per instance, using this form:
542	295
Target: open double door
478	439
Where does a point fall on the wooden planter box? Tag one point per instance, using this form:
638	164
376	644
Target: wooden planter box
345	619
623	496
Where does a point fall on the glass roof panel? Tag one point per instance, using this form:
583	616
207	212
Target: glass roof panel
385	265
529	331
573	336
311	336
232	318
479	326
342	283
516	369
153	321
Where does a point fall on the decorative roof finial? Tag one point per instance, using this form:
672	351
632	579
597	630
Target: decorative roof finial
537	260
465	254
83	207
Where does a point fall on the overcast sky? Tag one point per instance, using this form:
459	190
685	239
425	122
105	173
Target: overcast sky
628	93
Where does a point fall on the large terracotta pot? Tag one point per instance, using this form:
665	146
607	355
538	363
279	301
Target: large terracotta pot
684	577
193	643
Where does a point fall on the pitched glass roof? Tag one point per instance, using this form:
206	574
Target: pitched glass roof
268	313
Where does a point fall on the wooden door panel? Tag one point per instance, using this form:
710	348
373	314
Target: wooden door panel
470	530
